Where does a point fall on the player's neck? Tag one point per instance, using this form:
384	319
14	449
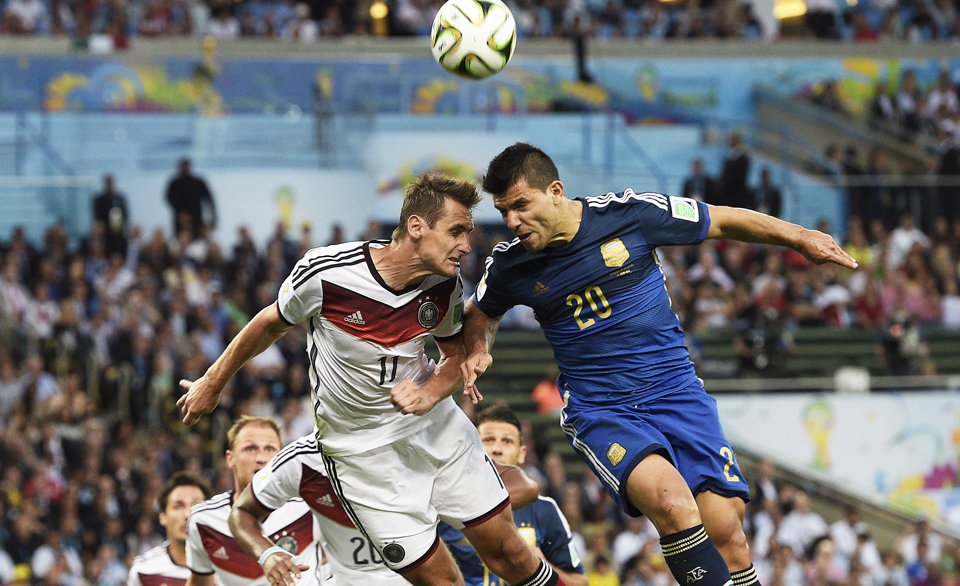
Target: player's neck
399	268
178	551
568	222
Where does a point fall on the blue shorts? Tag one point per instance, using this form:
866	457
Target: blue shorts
682	426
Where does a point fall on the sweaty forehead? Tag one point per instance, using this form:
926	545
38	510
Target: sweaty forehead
458	215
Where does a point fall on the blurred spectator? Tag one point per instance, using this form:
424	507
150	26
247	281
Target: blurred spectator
852	540
903	239
26	17
828	98
909	546
699	185
801	527
547	394
767	195
191	201
765	485
883	111
733	177
910	102
110	209
602	573
822	17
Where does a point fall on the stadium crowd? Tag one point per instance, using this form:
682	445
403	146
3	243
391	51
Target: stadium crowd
307	20
94	337
928	114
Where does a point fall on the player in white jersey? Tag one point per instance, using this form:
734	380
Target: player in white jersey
398	451
211	549
298	471
166	564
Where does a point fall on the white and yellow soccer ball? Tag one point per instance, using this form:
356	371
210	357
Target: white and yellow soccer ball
473	38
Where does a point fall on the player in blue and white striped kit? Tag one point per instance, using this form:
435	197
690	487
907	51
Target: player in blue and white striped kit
635	410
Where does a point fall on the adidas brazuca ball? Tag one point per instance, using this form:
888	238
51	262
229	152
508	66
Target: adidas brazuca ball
473	38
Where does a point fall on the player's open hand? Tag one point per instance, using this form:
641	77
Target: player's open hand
201	398
822	248
475	365
282	569
409	398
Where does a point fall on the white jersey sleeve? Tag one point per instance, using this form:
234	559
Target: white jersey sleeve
133	577
279	481
296	304
452	322
197	559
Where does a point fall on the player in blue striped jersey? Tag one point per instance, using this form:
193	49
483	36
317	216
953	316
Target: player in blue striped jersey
635	410
540	523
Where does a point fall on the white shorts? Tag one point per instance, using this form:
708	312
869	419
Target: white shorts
396	494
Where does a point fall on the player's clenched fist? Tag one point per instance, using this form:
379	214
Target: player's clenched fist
407	397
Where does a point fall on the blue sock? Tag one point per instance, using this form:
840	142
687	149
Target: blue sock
747	577
693	559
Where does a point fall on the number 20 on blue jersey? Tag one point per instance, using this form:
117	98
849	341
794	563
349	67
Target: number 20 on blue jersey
598	303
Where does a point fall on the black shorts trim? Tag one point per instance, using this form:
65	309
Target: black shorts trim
422	559
711	485
488	515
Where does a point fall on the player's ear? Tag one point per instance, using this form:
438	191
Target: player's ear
555	189
523	455
415	225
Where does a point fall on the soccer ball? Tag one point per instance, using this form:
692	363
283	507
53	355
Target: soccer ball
473	38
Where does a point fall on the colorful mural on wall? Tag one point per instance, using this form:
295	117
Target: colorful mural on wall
643	89
904	448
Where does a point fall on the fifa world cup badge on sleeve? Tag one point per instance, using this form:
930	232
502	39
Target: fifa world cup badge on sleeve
684	208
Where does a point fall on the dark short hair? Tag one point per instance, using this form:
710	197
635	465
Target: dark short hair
178	479
426	197
500	413
516	162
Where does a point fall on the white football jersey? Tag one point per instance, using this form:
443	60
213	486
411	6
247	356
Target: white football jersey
298	471
364	338
156	568
211	547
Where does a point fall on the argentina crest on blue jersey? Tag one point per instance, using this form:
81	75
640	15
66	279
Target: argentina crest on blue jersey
601	298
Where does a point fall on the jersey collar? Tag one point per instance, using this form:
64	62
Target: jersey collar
376	273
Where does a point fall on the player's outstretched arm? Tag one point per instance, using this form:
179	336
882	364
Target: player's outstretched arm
522	489
479	331
728	223
203	394
245	517
409	398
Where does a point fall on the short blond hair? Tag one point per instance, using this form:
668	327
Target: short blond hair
246	420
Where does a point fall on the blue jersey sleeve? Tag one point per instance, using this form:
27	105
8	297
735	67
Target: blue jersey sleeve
672	221
493	293
556	537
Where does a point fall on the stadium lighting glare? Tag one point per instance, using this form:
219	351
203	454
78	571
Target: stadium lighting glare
378	10
784	9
